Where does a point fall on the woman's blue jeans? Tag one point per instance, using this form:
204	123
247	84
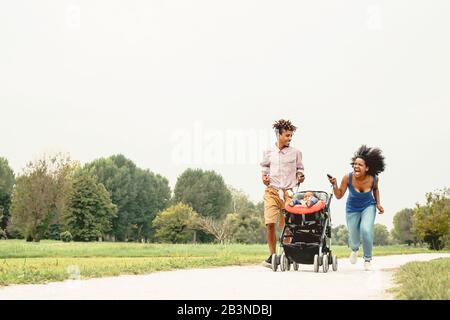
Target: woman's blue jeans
360	227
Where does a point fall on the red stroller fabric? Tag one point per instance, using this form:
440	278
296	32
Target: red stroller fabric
299	209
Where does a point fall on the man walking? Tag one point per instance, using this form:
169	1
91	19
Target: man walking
282	169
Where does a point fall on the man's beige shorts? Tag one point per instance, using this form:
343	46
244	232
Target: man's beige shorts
273	205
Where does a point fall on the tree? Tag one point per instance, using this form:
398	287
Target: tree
250	226
339	235
30	204
431	222
116	173
392	239
153	195
176	224
240	201
245	225
40	196
204	191
7	181
91	209
381	235
403	224
139	194
62	173
222	230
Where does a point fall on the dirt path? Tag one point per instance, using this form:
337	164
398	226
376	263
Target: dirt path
235	282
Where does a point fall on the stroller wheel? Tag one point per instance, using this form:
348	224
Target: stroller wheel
316	263
325	264
334	263
285	264
295	266
274	262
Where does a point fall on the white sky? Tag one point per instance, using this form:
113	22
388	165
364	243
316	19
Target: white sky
165	82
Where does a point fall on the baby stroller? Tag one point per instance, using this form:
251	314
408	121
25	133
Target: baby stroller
309	231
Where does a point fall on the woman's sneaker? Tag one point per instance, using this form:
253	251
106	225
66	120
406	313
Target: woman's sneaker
353	257
367	266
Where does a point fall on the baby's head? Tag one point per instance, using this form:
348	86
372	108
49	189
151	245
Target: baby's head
308	195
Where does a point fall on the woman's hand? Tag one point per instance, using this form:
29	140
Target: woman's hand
380	208
266	179
333	181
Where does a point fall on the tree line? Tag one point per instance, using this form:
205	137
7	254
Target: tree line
112	199
428	223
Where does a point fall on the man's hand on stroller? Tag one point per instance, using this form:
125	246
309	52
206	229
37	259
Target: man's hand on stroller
300	177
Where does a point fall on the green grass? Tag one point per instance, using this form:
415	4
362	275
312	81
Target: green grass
423	280
49	248
42	270
25	262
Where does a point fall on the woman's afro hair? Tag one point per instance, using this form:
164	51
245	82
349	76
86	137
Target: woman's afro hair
372	157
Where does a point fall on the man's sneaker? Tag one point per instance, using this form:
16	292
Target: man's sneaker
353	257
367	266
268	262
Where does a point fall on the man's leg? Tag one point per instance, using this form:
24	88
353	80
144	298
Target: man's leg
271	209
271	239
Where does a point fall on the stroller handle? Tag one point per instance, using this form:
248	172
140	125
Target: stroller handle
329	199
298	187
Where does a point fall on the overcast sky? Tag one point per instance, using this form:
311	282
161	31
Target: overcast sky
178	84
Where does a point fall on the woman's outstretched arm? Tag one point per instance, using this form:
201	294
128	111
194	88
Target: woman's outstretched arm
339	192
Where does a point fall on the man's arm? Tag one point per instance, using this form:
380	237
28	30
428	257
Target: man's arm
265	167
300	168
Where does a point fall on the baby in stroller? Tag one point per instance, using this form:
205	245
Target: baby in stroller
306	236
309	199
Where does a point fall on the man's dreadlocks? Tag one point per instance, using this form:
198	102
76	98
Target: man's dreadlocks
284	125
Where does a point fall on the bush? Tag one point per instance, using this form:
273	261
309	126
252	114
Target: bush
53	232
435	242
3	234
176	224
66	236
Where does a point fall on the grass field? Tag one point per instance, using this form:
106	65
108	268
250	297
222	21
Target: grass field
24	262
424	280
